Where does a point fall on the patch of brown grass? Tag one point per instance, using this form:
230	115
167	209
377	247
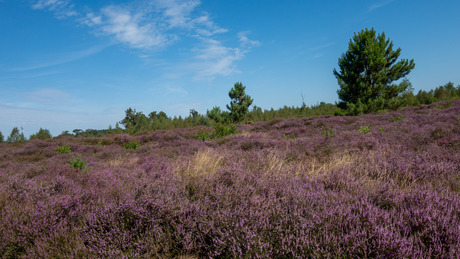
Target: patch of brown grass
203	162
123	161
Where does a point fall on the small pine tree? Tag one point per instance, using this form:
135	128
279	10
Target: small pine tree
2	139
240	102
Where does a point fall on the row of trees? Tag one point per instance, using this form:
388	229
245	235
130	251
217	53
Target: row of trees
370	78
137	123
18	137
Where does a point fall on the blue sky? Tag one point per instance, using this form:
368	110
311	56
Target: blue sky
68	64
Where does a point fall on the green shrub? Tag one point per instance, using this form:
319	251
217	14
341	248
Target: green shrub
397	118
327	132
64	149
132	145
222	130
78	163
203	135
365	129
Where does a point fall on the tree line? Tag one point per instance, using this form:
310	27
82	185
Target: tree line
370	79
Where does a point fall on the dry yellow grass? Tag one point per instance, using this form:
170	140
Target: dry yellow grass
204	162
277	163
316	168
123	161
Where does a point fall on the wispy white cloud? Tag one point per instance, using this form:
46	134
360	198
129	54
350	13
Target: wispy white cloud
206	27
213	59
49	96
157	24
318	50
61	8
91	19
323	46
170	89
130	29
379	4
62	59
176	13
245	41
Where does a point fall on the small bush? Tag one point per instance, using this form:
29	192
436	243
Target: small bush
203	135
78	163
222	130
327	132
397	118
365	130
64	149
132	145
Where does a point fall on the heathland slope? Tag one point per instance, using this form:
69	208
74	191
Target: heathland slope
376	185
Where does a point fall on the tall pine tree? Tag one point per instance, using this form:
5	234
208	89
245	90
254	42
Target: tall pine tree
368	70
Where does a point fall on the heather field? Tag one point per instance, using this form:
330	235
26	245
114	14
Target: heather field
375	185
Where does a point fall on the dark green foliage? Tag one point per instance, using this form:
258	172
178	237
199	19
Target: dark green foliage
202	120
132	145
77	132
79	164
116	130
158	119
257	114
89	133
15	136
65	133
2	139
135	121
193	113
64	149
441	93
217	115
367	72
41	134
239	104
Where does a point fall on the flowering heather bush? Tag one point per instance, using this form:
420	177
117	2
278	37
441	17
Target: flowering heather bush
302	187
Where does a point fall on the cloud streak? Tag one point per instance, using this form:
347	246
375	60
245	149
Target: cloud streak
63	59
49	96
378	5
61	8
